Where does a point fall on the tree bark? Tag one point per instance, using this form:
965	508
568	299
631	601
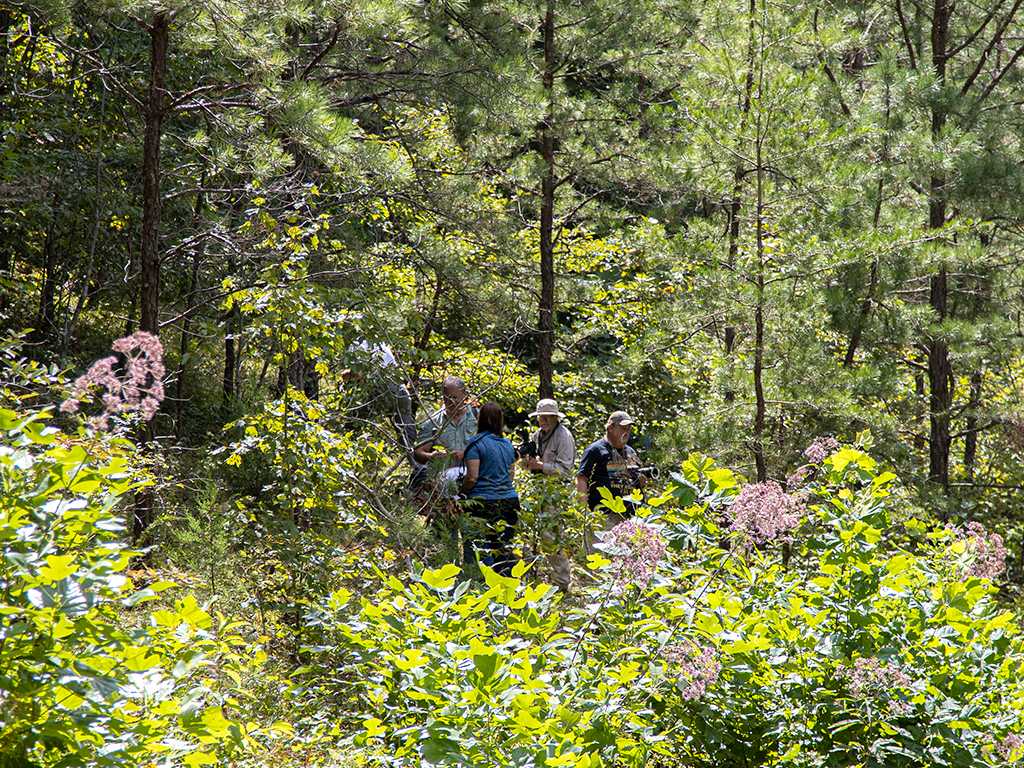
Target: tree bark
83	291
735	204
228	384
940	373
149	292
971	436
155	110
546	319
45	316
186	323
759	399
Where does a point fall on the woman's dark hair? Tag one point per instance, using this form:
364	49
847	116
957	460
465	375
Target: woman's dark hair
491	419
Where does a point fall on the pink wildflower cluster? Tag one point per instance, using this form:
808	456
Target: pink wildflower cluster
798	477
868	677
698	666
987	550
642	549
134	386
764	512
1010	746
821	449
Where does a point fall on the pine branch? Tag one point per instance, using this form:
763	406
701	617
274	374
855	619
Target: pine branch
996	39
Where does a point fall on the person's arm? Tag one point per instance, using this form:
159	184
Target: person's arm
583	474
423	451
564	455
582	488
641	480
472	473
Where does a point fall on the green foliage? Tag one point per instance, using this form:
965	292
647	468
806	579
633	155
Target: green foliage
86	679
452	673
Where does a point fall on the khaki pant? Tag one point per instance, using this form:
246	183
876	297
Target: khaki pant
560	566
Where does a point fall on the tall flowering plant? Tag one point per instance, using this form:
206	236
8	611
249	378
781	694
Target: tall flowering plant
127	382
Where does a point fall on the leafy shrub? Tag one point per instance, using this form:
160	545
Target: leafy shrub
854	638
80	683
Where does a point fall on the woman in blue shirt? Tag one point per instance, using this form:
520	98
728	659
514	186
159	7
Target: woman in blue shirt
490	460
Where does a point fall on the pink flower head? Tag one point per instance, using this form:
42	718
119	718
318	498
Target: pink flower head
698	665
798	478
1010	746
988	553
868	677
821	449
136	386
641	547
764	512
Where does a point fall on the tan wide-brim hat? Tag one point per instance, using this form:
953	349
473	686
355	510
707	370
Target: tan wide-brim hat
547	407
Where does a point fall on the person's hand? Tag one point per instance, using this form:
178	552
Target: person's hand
534	464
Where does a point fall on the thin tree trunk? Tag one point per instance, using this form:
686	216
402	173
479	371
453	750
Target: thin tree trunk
149	295
94	235
45	320
546	320
230	360
940	373
735	204
869	297
133	295
971	436
186	329
186	323
759	399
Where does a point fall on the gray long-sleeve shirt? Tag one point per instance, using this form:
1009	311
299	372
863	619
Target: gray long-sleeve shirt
557	451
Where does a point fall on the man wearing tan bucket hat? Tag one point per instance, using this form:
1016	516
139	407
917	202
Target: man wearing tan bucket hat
551	451
553	444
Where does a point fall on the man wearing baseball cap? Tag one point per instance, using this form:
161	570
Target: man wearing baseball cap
609	463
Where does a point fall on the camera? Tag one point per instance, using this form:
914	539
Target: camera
526	448
650	472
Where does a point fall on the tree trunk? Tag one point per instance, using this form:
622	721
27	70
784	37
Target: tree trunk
735	204
83	291
971	436
546	320
940	373
45	315
228	384
149	295
186	323
869	297
759	400
186	328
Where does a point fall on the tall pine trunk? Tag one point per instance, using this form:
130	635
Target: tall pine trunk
735	205
149	293
546	319
940	372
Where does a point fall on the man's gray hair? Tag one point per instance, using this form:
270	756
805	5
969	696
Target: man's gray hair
453	381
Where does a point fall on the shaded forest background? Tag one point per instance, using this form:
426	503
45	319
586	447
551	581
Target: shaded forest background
749	225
